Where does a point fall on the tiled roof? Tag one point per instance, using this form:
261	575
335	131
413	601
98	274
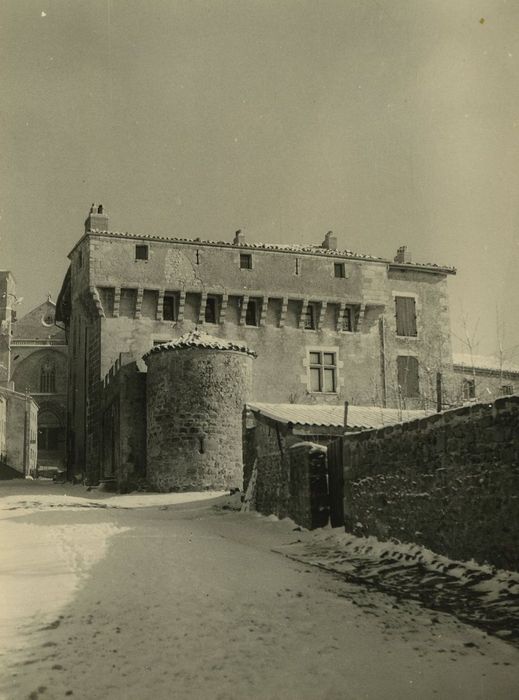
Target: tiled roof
281	247
483	362
199	339
324	415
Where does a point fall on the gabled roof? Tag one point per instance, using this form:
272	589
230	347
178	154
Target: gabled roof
324	415
199	339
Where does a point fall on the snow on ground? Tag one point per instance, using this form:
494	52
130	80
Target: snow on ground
42	567
478	594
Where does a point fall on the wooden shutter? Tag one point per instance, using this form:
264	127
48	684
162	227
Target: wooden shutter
405	316
408	379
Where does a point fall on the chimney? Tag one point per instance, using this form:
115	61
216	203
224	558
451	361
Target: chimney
239	237
403	255
96	220
330	241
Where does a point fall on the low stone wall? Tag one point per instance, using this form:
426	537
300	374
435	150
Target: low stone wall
449	482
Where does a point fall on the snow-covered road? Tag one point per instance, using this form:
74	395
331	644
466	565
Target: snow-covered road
182	600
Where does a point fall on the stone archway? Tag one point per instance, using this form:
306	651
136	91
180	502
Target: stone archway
51	439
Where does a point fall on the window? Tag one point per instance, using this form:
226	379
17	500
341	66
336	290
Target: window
339	270
245	261
48	378
469	389
311	316
507	389
350	318
405	310
169	307
211	310
252	313
408	380
141	252
323	371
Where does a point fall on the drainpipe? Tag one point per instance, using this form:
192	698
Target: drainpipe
381	331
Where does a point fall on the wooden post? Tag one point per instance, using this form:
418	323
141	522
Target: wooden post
345	415
439	392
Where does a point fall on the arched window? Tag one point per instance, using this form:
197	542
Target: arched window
48	377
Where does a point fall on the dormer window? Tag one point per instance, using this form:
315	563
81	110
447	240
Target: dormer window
245	261
141	252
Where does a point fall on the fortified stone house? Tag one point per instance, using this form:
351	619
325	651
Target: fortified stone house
326	325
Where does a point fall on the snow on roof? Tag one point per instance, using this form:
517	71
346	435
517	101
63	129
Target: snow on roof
484	362
324	415
199	339
281	247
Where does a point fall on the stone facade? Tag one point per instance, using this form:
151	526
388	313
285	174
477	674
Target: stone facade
479	378
195	397
39	366
123	453
449	482
7	314
21	427
322	322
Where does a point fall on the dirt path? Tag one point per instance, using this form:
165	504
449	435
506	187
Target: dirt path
187	602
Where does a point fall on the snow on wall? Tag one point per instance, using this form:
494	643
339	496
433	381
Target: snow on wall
449	482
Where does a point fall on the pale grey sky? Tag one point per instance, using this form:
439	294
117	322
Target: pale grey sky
389	121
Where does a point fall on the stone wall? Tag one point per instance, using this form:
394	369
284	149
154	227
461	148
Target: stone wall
195	399
123	454
449	482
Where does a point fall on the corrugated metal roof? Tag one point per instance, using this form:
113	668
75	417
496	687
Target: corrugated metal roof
485	362
199	339
324	415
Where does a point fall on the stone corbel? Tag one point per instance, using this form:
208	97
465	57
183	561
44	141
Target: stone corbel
160	305
243	311
203	304
138	303
182	305
340	316
223	308
322	313
117	301
263	312
302	318
283	316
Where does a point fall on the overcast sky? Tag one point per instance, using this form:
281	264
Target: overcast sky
391	122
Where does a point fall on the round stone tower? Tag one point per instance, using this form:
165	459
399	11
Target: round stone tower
196	390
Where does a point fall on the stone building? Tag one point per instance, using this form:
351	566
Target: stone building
18	410
38	366
481	378
327	325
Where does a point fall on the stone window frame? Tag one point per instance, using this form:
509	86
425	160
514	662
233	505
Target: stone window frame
254	303
417	308
354	314
305	378
312	312
212	300
174	296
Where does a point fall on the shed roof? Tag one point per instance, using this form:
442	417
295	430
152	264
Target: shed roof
324	415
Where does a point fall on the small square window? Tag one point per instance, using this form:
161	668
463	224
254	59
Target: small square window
339	270
246	261
141	252
507	389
